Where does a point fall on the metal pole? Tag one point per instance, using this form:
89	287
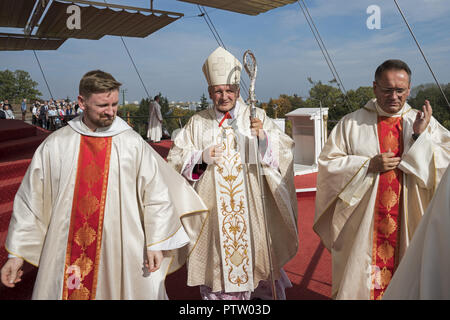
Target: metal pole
423	54
43	75
321	125
251	69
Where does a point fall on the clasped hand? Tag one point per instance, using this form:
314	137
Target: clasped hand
384	162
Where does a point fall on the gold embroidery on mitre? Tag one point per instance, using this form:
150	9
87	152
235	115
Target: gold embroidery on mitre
88	205
389	198
92	173
387	226
385	251
81	293
390	142
85	264
85	236
385	277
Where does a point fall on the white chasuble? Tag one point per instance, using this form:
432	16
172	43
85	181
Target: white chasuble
147	206
204	264
233	215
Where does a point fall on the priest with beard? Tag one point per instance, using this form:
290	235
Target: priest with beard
99	212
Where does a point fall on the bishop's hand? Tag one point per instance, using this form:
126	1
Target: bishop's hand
256	127
212	155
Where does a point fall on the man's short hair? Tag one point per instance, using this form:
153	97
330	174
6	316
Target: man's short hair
97	81
392	64
156	97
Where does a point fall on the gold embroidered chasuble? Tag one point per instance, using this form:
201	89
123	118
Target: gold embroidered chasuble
347	194
233	214
205	265
146	204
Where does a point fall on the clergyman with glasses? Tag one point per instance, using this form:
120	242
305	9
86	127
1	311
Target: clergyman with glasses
377	174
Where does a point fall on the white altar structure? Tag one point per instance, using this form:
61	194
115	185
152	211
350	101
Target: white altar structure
281	123
309	131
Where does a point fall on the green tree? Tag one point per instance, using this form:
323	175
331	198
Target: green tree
296	101
359	97
128	110
177	119
164	103
7	85
203	103
330	97
432	93
17	85
143	109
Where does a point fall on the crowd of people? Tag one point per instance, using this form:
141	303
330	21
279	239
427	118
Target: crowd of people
51	114
48	114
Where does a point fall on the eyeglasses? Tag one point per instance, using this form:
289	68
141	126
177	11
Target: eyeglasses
389	91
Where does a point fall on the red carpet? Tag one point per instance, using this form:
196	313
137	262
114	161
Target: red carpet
162	147
305	181
309	271
18	142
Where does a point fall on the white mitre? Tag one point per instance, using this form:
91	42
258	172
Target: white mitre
221	68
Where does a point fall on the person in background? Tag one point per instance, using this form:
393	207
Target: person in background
34	113
6	103
42	115
154	132
9	113
23	108
2	112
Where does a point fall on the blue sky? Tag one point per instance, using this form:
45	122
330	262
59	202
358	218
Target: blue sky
170	60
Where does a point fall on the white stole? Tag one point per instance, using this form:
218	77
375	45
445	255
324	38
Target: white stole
233	214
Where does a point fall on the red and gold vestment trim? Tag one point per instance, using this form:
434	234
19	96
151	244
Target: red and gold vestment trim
387	209
86	222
